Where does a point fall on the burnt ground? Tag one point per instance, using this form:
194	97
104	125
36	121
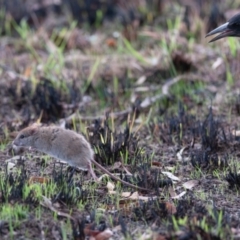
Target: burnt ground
158	103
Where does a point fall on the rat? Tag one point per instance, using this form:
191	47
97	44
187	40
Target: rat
66	145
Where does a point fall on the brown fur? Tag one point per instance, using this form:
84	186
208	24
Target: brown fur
65	145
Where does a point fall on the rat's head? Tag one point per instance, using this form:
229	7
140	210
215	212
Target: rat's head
25	138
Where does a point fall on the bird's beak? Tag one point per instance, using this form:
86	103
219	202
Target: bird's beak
224	30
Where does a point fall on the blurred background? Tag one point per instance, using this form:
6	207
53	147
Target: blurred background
133	13
59	57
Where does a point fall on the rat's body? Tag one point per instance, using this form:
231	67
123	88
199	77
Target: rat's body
65	145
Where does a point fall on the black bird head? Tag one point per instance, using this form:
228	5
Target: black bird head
228	29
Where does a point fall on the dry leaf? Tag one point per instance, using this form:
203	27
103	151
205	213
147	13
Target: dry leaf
190	184
46	202
38	180
170	208
180	153
158	237
156	130
111	42
106	234
28	71
110	186
130	195
172	192
169	168
179	195
13	159
217	63
126	196
10	167
171	176
236	133
141	80
158	164
88	230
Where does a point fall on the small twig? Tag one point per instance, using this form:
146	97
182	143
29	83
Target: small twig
48	204
147	102
92	118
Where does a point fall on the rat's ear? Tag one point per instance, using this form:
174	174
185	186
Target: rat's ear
36	124
34	127
33	130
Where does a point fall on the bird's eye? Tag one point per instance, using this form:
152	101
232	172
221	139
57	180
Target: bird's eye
21	136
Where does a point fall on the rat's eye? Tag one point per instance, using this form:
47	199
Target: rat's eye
21	136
